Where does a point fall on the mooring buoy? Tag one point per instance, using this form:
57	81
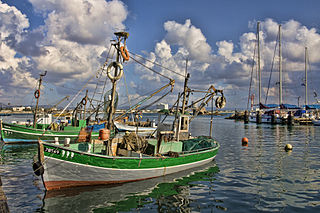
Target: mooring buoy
244	141
288	147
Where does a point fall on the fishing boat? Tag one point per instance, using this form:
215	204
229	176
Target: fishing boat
26	132
130	157
50	127
43	126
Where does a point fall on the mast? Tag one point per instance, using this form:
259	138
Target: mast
306	76
259	69
37	96
187	76
280	67
120	36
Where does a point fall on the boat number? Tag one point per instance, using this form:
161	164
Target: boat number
54	151
67	154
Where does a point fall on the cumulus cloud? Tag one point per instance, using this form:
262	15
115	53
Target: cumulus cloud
71	45
15	72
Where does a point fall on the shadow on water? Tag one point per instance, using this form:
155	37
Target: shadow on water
167	193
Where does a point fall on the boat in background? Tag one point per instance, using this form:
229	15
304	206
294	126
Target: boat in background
140	127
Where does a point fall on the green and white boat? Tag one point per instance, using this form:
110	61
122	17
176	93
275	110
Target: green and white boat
126	157
78	165
14	133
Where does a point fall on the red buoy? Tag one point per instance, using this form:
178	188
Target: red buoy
244	141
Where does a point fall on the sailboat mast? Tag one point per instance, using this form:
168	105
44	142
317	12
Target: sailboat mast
280	67
259	69
306	76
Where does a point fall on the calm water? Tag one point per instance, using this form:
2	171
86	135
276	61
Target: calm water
261	177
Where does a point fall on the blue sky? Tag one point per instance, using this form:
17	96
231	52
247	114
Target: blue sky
218	38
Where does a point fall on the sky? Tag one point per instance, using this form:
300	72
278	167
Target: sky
71	39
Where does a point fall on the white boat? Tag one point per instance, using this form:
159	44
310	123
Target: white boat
266	117
123	127
316	122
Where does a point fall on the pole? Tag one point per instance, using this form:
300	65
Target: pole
259	69
37	104
187	76
280	67
114	81
306	76
84	110
211	121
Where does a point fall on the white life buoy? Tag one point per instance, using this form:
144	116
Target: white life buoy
220	102
115	65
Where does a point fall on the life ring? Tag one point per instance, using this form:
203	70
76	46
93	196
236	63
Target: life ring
124	53
115	65
84	101
37	94
220	102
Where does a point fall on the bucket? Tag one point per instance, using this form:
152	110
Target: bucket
56	140
67	142
104	134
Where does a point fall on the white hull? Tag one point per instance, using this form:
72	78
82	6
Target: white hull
64	173
124	127
316	122
264	119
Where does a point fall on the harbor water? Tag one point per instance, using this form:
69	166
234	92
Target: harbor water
260	177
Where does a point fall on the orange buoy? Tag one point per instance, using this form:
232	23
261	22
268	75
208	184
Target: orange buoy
124	53
244	141
104	134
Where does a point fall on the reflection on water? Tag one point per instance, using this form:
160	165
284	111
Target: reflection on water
259	177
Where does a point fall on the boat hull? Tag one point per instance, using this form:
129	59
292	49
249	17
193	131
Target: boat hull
68	168
316	122
11	133
123	128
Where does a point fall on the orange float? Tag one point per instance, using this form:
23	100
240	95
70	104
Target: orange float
124	53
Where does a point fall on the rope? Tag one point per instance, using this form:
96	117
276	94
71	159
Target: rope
158	64
127	91
274	55
156	100
150	68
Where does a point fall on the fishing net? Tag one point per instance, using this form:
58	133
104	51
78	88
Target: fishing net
134	142
201	142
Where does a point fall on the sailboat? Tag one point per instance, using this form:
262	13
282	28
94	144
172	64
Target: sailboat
271	113
124	158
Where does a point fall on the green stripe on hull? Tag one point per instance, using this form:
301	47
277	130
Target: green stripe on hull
125	162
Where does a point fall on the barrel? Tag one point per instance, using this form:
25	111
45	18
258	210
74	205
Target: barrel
104	134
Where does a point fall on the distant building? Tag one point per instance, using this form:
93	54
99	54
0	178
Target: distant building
18	109
163	106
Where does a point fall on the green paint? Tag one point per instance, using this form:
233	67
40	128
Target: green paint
126	162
